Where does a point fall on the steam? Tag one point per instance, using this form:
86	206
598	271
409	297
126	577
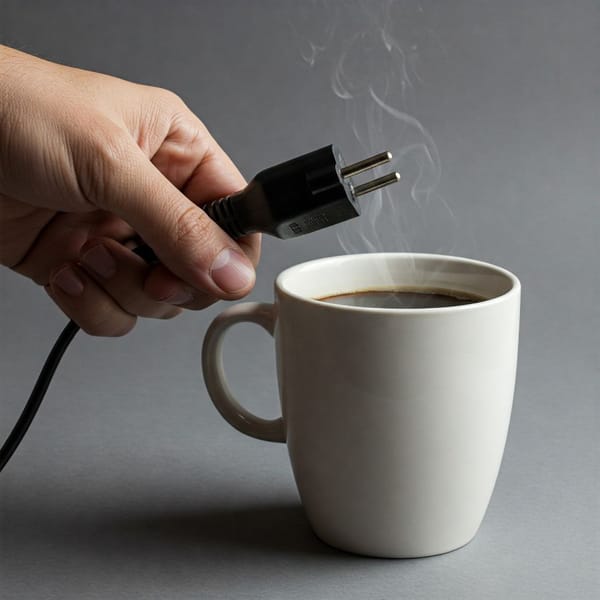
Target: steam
314	41
376	78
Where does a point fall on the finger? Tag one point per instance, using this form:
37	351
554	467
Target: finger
86	303
163	286
121	274
181	234
190	158
189	152
215	177
62	238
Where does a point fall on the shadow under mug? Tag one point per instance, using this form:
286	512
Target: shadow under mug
395	419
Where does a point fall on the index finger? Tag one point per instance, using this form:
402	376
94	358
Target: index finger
183	237
214	177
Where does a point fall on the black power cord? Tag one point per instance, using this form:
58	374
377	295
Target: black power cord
37	395
296	197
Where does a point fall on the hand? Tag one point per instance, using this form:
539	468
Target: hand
87	163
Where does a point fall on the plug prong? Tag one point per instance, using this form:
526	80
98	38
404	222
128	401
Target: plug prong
371	186
366	164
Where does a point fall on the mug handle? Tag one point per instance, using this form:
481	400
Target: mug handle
214	374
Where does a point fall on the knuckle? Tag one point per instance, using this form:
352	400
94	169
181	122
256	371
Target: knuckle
170	314
180	114
168	98
125	328
91	328
201	302
192	227
107	325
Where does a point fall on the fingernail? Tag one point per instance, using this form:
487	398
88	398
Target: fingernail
230	271
181	296
99	260
67	280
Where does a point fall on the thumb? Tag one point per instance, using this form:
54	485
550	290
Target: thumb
183	237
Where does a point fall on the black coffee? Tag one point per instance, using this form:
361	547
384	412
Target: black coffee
402	299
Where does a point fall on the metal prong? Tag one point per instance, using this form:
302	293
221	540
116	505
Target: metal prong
364	165
371	186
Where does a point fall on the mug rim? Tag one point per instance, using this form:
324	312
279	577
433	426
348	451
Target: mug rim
281	288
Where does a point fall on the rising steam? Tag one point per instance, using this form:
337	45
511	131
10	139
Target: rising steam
376	80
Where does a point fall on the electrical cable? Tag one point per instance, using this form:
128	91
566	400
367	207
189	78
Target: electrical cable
37	395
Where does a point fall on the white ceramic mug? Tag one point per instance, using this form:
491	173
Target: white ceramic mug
395	419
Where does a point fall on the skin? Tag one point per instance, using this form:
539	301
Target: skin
89	164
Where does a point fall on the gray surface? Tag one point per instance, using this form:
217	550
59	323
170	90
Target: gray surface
130	485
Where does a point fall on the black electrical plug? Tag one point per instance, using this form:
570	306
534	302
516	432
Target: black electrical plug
296	197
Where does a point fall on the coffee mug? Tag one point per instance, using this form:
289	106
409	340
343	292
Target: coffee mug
395	418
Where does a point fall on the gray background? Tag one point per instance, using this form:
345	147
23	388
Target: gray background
130	485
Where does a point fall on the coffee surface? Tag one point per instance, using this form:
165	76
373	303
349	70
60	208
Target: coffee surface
401	299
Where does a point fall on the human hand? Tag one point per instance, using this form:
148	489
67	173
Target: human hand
87	163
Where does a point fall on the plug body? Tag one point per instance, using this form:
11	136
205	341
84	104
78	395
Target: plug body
290	199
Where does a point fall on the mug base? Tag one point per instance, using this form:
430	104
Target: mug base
387	554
